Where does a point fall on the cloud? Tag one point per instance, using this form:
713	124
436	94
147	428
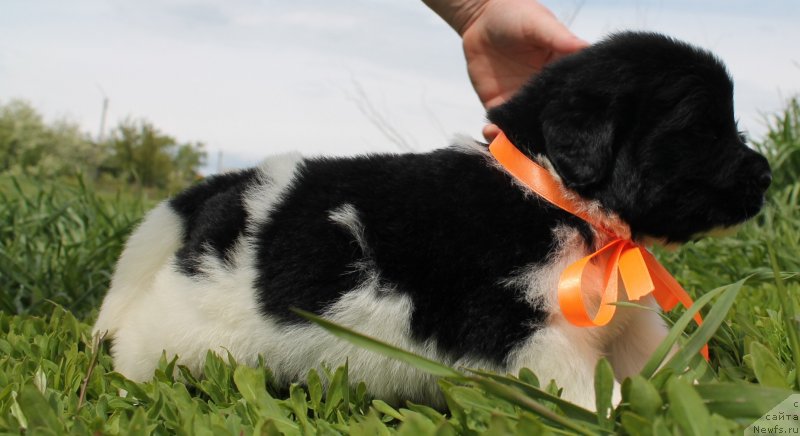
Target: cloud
255	78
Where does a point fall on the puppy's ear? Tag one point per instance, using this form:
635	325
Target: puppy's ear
578	132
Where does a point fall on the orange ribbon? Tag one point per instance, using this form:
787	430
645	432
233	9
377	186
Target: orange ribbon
641	273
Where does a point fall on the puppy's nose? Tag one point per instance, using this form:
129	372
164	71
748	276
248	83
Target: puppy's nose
763	181
759	173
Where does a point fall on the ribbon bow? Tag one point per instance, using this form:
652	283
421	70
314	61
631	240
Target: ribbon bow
641	273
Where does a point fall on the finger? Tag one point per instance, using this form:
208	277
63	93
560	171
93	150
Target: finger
569	44
567	48
490	131
497	100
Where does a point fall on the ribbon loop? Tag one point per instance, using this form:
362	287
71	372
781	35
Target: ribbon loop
635	274
599	268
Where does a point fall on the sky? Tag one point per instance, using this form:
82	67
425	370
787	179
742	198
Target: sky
253	78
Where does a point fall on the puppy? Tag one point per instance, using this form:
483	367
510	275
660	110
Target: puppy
443	253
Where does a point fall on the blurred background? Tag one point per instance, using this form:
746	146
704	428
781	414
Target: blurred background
236	80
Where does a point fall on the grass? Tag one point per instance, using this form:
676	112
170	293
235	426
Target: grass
59	242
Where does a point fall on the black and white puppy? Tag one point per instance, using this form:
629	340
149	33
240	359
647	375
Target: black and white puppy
443	253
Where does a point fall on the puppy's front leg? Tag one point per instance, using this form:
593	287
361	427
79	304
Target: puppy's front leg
564	353
642	332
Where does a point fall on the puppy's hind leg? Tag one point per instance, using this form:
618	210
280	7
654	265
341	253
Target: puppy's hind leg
147	251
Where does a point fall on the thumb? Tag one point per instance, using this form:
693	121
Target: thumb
490	131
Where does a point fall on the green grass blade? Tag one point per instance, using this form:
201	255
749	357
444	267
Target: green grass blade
740	401
766	366
687	408
516	397
706	331
572	410
603	391
642	397
378	346
790	319
675	332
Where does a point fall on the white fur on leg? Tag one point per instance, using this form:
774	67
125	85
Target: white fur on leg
152	307
148	249
564	353
616	394
641	333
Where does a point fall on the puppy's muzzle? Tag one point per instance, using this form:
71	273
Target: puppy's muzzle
757	179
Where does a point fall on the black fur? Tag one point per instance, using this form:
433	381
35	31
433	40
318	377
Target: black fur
442	227
639	122
214	217
645	125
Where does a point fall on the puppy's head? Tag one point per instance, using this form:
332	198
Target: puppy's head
643	124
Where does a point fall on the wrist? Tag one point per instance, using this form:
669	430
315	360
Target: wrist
459	14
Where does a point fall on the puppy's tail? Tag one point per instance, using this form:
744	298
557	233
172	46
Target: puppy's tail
147	251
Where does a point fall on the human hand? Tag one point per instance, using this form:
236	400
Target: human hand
509	41
505	42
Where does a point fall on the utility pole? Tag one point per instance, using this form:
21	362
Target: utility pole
101	134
